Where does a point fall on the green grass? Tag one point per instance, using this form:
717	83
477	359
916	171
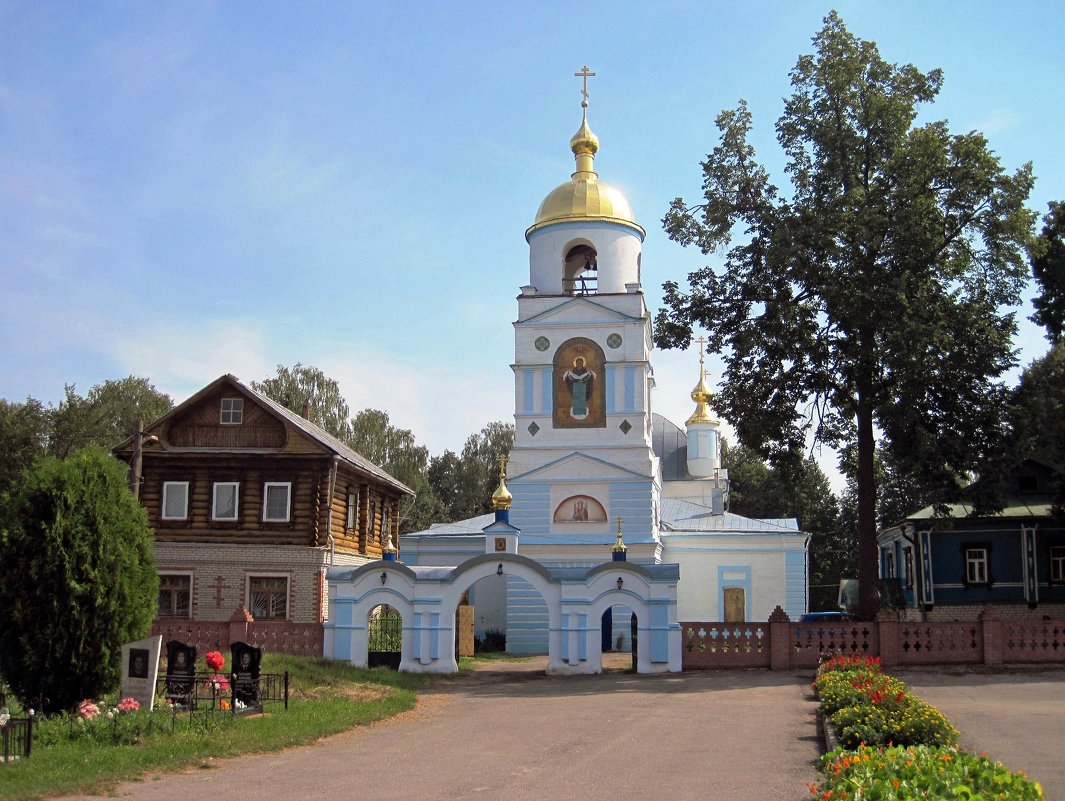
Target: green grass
325	698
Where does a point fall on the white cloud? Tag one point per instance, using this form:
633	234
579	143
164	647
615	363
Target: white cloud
997	122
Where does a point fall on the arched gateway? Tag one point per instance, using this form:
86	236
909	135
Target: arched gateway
427	599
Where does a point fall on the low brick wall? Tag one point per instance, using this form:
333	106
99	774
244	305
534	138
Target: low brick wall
299	639
782	645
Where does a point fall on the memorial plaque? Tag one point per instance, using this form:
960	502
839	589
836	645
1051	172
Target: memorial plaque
246	660
180	672
140	667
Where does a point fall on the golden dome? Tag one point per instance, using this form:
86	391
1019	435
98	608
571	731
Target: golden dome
584	196
702	396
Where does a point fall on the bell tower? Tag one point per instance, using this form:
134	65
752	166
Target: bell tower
582	451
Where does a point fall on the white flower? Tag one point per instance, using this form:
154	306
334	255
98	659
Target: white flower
111	714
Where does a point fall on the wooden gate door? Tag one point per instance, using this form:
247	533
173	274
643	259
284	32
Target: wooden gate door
386	639
735	605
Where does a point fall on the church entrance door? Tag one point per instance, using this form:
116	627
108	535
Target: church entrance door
735	605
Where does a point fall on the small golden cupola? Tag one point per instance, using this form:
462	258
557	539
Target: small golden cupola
501	498
704	459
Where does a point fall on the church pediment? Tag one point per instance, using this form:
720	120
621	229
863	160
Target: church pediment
580	310
577	467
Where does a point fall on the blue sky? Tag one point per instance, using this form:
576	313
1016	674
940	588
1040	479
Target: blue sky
194	188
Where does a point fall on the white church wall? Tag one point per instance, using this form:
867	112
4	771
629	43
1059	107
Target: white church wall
761	566
617	250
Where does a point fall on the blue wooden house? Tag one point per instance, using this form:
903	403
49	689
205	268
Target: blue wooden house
960	563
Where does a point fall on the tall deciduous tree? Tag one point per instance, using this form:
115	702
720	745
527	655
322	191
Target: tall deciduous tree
1048	267
107	415
465	483
77	578
302	384
869	299
24	431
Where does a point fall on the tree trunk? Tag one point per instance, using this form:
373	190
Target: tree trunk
868	561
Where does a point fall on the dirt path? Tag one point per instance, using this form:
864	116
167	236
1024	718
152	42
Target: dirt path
516	734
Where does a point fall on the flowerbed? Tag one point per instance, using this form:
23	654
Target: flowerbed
896	746
918	771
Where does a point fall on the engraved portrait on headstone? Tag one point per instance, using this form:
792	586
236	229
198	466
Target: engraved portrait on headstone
246	661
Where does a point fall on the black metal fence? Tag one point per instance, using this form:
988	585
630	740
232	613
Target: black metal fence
213	691
16	739
385	642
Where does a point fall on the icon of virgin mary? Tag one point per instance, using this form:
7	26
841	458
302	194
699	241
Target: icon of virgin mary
579	382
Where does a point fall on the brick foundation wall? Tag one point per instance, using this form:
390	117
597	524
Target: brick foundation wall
1005	611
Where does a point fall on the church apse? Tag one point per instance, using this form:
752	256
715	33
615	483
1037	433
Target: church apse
579	385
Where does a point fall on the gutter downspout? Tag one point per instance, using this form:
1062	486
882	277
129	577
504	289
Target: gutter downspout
329	517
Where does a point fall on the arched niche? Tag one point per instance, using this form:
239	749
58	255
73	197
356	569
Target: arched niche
580	271
580	509
579	391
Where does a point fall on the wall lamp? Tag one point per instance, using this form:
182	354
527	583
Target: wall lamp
499	570
621	582
384	577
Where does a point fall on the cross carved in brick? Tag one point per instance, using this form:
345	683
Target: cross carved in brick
218	586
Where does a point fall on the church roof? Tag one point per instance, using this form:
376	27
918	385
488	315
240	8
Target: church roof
678	515
471	526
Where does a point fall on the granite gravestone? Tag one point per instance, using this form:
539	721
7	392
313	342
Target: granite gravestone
180	672
140	668
246	660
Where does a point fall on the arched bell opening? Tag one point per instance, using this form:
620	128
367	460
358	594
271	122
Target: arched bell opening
580	271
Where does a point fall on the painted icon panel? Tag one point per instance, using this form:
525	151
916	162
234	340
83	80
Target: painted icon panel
579	385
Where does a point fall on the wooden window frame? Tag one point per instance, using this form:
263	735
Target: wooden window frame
269	576
165	574
1056	560
267	485
352	522
231	412
969	558
163	499
236	501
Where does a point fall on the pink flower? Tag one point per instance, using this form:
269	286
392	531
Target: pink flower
87	709
218	683
128	705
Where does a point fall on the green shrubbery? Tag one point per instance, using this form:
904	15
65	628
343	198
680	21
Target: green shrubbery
895	746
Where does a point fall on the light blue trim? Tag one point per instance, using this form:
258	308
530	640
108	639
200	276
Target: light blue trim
565	636
416	637
546	377
744	582
927	591
659	633
582	637
527	391
586	224
434	635
630	388
611	406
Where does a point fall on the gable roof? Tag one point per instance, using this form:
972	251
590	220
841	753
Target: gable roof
306	427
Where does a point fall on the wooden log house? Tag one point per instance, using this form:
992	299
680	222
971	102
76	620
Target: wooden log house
251	503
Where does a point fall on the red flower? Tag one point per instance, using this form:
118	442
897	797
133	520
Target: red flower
214	660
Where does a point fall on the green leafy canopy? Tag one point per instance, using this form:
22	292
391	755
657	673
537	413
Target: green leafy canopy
876	297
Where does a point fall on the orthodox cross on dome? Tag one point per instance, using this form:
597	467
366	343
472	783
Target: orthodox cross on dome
585	74
702	351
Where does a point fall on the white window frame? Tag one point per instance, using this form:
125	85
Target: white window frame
288	501
353	511
1057	563
236	500
976	559
268	575
231	412
182	574
167	486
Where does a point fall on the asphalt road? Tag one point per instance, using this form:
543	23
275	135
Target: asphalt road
1016	715
525	737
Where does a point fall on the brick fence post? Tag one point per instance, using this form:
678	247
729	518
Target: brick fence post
992	628
779	640
887	629
238	625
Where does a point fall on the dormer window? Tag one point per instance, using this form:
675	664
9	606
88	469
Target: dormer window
232	411
581	276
